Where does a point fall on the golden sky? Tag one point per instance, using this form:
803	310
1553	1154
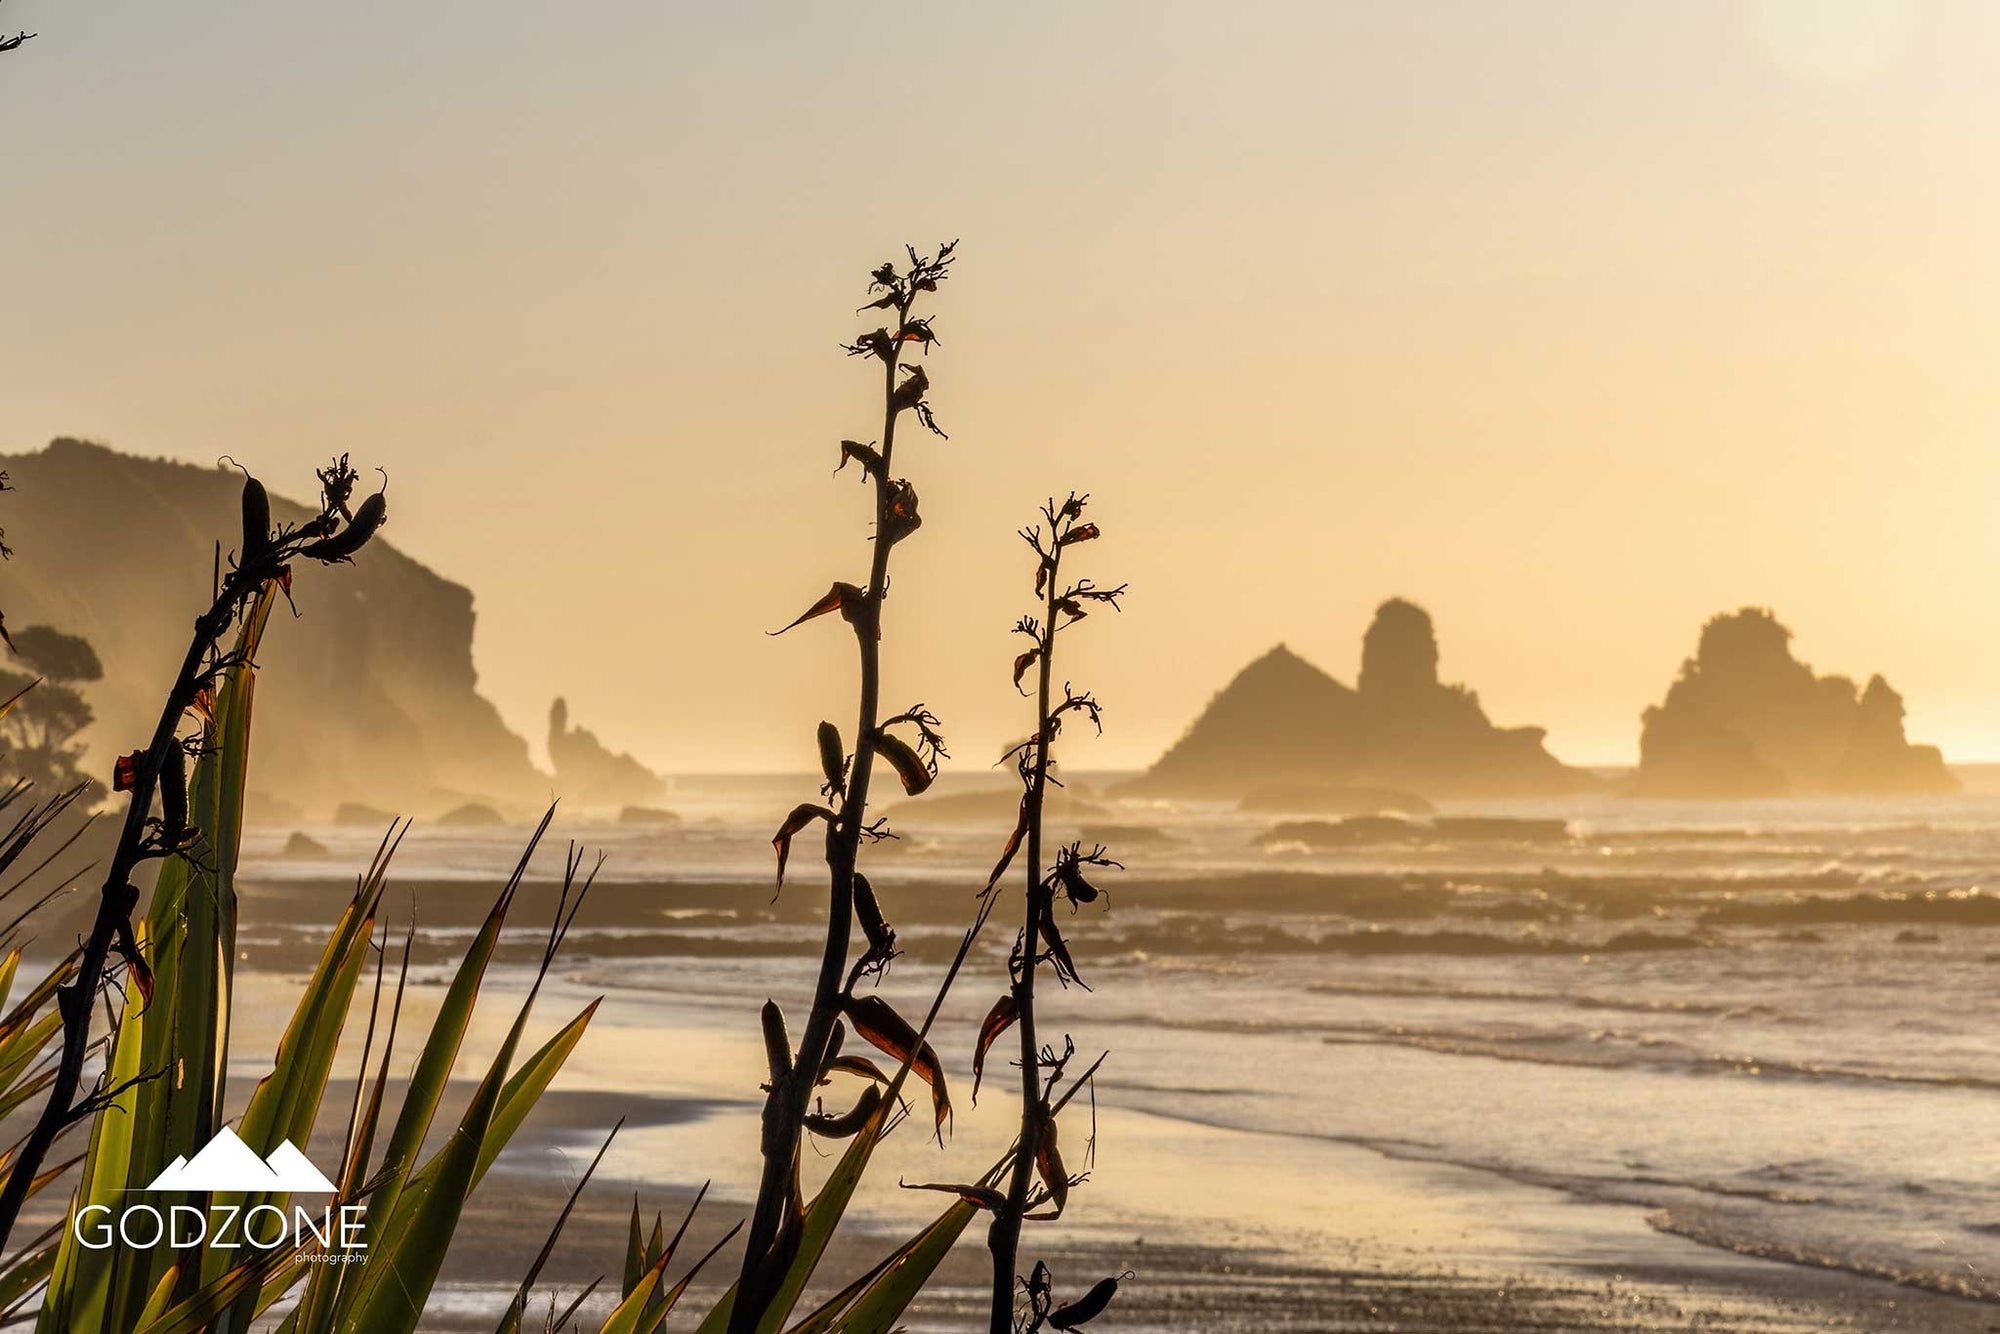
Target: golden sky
1575	322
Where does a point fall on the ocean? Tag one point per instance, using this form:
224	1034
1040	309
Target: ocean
1650	1032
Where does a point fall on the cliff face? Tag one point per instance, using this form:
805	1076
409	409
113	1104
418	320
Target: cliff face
1747	719
1284	721
369	694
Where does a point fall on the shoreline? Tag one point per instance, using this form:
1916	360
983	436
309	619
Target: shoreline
1213	1288
1376	1281
1609	1269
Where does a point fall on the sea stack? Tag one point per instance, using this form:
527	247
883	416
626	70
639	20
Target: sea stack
1283	721
1745	718
592	772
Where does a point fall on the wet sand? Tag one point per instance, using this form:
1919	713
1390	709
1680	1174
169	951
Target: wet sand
1380	1282
1377	1282
1404	1255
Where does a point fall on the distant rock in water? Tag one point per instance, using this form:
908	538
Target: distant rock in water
1747	719
349	814
368	694
472	815
1285	723
590	772
305	847
647	815
1374	830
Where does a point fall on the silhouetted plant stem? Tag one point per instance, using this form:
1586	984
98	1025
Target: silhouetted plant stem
1004	1236
772	1240
1062	607
157	772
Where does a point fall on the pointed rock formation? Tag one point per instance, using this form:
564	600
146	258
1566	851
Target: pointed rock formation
592	772
1284	721
1747	719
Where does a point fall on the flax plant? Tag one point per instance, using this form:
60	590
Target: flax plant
158	773
161	1095
1039	1182
777	1225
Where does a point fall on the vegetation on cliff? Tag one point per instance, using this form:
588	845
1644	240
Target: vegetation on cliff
122	544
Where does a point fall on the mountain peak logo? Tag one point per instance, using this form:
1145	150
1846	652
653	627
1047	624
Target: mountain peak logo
226	1166
226	1163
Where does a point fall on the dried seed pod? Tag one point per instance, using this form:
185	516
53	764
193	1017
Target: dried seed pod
1075	888
1041	1289
878	1023
777	1045
1059	952
869	457
916	776
1013	845
832	760
1087	1307
847	1125
878	342
849	600
369	516
1022	664
998	1020
125	771
1083	532
899	513
868	911
174	797
911	391
1049	1166
802	815
135	963
256	521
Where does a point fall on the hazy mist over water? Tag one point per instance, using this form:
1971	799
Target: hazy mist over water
1760	1024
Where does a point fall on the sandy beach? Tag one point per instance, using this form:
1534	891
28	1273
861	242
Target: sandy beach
1389	1276
1225	1229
